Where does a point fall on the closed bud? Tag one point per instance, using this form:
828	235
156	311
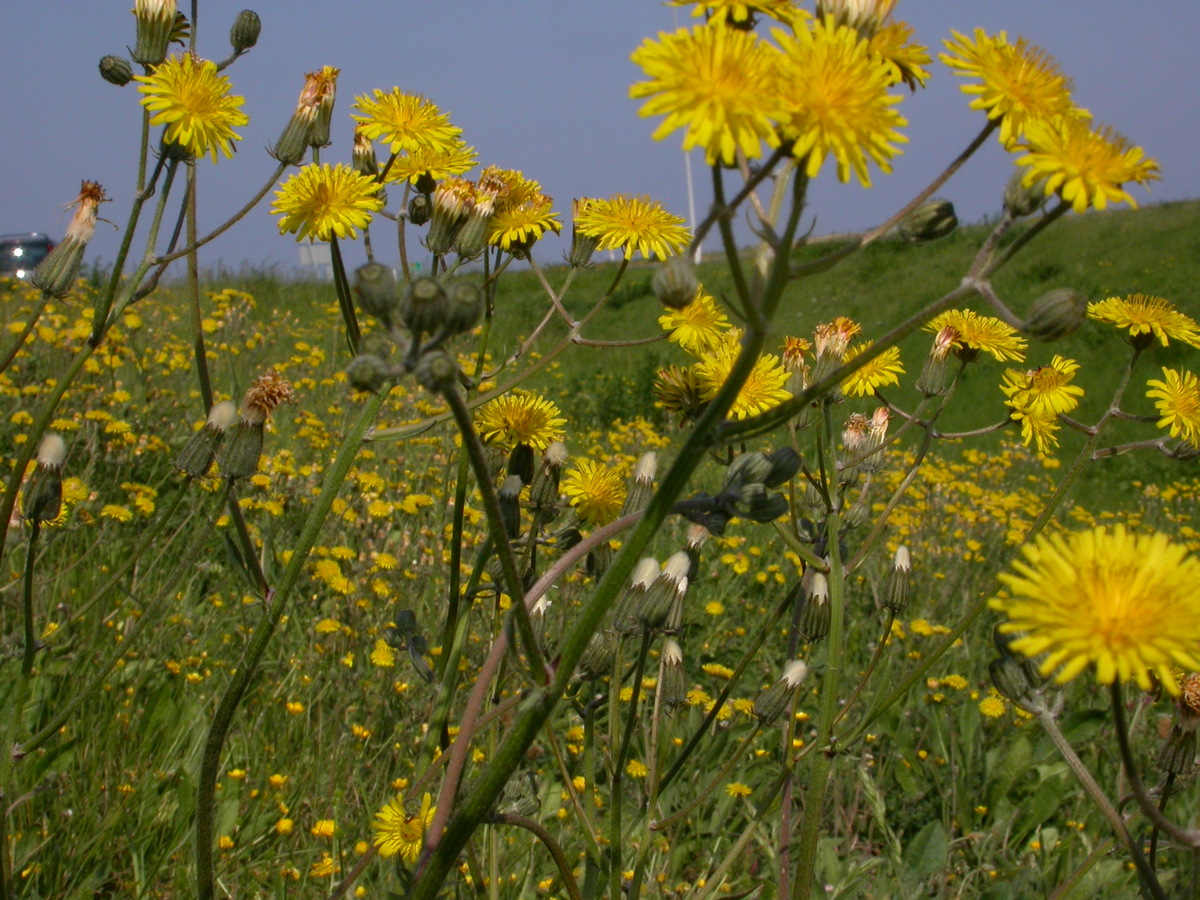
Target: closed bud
419	209
543	494
116	70
245	31
309	124
1178	755
597	659
42	498
582	245
242	450
378	292
673	688
928	222
1012	678
934	379
785	463
155	27
453	199
519	797
57	272
436	371
1021	199
749	468
367	372
815	617
520	462
897	586
641	484
675	284
471	236
198	454
509	498
423	305
464	306
1056	314
771	703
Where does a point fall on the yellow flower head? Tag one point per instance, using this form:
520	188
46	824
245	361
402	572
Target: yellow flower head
397	832
521	217
699	327
188	96
1044	391
677	389
596	490
323	201
883	370
436	161
520	417
1127	604
404	121
836	101
763	389
1086	166
1018	83
739	13
901	56
718	83
1146	318
1177	398
632	224
974	334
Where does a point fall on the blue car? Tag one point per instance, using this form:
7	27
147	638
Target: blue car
20	253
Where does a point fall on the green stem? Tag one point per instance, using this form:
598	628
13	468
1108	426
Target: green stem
11	353
345	301
31	644
199	351
252	656
617	778
556	852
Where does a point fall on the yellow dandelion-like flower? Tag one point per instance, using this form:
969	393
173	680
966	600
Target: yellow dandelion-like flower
677	389
637	769
1018	83
1037	428
324	828
1177	398
1045	391
763	389
398	832
737	789
717	83
903	58
975	334
516	226
739	13
520	417
1146	318
992	706
1086	166
597	491
633	224
699	327
437	161
116	512
382	656
404	121
322	201
1127	604
883	370
192	100
836	101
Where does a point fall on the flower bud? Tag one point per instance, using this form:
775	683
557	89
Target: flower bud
1022	200
543	493
367	372
675	284
309	124
436	371
928	222
582	245
452	200
656	606
509	498
749	468
1178	755
641	484
673	688
378	292
464	306
1056	314
897	587
471	236
57	272
245	31
242	450
1012	678
155	26
419	209
116	70
934	379
815	617
198	454
771	703
422	306
597	659
42	498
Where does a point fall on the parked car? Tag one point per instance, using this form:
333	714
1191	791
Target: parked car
20	253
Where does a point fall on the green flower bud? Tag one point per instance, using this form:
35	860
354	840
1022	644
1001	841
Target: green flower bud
673	688
675	284
641	484
1022	200
771	703
419	209
897	587
423	305
815	617
509	498
437	372
245	31
198	454
582	245
116	70
242	450
155	28
928	222
42	498
367	372
464	306
378	291
597	659
1178	755
57	272
1056	314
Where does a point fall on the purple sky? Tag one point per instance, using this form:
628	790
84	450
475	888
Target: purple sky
542	86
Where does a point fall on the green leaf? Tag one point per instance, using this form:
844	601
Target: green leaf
928	851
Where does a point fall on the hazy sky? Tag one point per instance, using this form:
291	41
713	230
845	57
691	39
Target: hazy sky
542	86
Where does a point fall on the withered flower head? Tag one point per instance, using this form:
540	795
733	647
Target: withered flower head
266	394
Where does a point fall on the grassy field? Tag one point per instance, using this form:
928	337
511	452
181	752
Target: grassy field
144	592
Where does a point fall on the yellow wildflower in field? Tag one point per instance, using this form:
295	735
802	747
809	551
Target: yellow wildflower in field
188	96
974	334
436	162
835	101
632	224
637	769
763	389
520	417
325	201
398	832
1127	604
382	656
737	789
1146	319
717	83
1046	390
883	370
404	121
323	828
698	327
597	491
1177	398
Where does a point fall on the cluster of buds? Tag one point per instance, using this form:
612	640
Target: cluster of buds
748	492
42	499
56	273
1015	676
310	122
831	340
266	393
654	599
863	440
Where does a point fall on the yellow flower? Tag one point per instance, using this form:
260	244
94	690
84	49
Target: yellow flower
520	417
677	389
1037	427
324	828
1178	400
1045	391
1146	318
438	162
1086	166
595	490
992	706
637	769
974	334
739	13
397	832
737	789
883	370
117	513
698	327
763	389
1127	604
903	59
716	82
404	121
322	201
382	656
836	101
284	826
515	226
1019	83
188	96
632	224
